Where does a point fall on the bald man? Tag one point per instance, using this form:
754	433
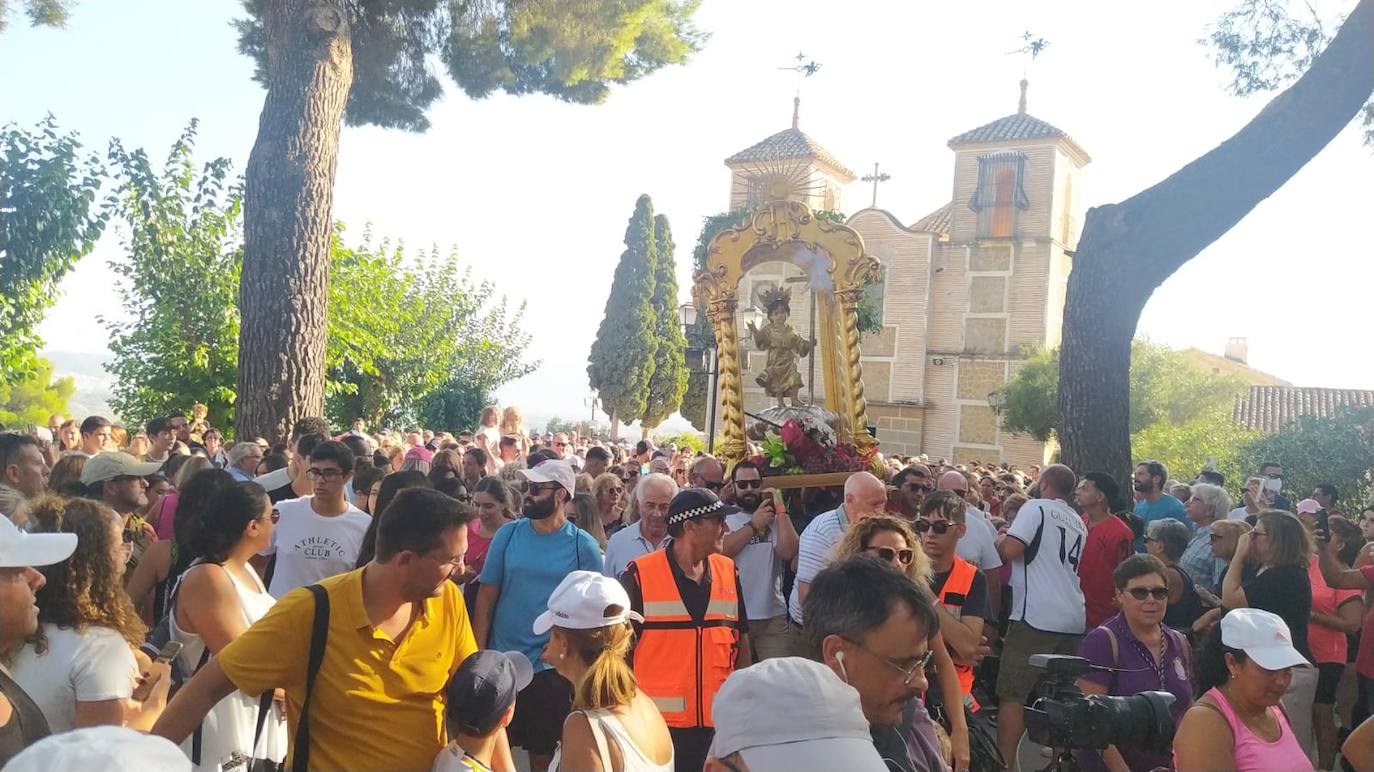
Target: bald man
979	543
864	496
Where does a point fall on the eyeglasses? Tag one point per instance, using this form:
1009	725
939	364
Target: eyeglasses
909	672
903	556
455	563
1141	593
940	527
324	474
748	484
1215	537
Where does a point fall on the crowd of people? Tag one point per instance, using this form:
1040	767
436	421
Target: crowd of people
501	599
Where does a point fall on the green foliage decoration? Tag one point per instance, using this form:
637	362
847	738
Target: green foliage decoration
33	398
49	219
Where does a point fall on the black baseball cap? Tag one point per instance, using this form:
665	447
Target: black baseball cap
484	688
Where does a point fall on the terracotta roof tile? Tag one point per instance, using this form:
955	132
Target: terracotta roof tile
936	222
1013	127
1269	408
787	144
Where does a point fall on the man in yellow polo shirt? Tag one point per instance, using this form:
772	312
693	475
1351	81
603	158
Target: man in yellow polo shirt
397	630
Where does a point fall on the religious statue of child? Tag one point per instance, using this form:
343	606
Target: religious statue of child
780	377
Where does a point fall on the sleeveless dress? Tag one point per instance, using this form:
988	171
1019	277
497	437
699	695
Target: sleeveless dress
230	725
606	727
1254	754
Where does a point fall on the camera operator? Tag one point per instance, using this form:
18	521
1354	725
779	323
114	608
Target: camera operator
1146	653
1245	668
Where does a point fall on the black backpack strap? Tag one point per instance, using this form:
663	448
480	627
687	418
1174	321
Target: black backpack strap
319	633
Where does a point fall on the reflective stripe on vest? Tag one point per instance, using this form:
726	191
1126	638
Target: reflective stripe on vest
959	583
679	662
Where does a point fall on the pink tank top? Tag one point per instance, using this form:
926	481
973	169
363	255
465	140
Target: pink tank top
1253	754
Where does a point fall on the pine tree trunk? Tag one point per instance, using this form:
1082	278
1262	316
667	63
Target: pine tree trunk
1129	249
288	226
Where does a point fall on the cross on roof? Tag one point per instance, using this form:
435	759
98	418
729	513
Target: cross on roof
875	178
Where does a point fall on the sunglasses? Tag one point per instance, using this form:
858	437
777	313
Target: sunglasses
1215	537
904	556
1141	593
712	486
748	484
940	527
535	489
919	487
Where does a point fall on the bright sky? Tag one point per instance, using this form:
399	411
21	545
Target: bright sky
536	193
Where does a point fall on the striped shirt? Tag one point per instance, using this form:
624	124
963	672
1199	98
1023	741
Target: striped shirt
813	553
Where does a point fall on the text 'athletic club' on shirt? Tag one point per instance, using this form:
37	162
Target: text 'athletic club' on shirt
310	546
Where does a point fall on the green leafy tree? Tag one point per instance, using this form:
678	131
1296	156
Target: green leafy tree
669	379
324	62
1166	388
1128	249
41	13
1185	447
1338	449
179	277
622	357
31	399
49	219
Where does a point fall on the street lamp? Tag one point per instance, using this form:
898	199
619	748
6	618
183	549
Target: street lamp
997	400
702	360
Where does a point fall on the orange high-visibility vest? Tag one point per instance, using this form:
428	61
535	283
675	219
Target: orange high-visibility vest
681	663
960	581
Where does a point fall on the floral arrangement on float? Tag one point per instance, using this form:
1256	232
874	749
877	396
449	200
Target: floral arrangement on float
804	443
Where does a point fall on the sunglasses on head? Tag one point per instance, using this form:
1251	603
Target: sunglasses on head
1141	593
940	527
903	556
748	484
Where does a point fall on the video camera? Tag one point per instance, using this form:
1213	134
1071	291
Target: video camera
1062	716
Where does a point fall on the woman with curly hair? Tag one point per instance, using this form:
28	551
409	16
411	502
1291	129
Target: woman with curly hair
81	667
891	540
217	598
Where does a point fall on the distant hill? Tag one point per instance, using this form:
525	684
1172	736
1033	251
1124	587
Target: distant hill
93	385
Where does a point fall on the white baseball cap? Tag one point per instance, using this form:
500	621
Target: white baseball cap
108	748
554	471
19	549
788	713
1263	636
581	600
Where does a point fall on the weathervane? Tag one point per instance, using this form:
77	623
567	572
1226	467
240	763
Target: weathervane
1031	45
803	68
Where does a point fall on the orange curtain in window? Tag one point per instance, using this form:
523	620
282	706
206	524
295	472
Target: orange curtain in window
1004	191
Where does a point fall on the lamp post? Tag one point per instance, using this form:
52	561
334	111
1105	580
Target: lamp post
997	400
703	361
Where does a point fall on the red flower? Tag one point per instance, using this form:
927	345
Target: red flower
798	443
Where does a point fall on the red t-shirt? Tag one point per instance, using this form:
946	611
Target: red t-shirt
1109	543
476	556
1364	658
1327	645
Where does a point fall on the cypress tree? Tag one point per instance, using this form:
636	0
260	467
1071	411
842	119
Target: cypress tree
668	382
622	356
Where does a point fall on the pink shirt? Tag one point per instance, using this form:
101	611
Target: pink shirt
1253	754
1327	645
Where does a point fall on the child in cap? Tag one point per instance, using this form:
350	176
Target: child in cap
480	701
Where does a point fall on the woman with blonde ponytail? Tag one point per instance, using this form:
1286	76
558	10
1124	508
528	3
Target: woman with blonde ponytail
613	727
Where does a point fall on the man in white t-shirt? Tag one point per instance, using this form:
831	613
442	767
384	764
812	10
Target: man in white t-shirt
761	541
1044	545
320	535
864	496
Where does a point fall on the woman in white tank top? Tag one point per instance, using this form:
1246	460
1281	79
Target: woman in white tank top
217	598
613	727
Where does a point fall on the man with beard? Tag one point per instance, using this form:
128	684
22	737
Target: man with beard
118	480
393	632
874	627
912	484
1152	502
527	560
653	493
762	542
21	720
695	628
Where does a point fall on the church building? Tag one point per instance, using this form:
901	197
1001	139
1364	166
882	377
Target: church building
964	288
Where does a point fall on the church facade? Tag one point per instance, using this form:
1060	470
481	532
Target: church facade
964	288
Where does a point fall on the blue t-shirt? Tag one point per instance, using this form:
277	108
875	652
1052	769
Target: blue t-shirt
528	566
1164	506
